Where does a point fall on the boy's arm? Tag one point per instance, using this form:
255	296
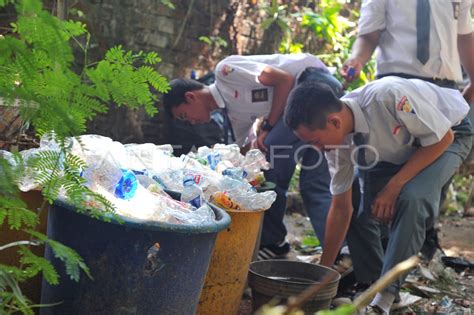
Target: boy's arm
383	207
466	51
282	83
337	224
362	50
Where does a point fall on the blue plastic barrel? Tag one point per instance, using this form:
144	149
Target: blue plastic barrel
138	267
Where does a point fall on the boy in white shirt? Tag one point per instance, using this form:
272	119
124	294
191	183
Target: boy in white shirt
406	138
249	87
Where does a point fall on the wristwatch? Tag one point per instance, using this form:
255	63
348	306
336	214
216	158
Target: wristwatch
266	126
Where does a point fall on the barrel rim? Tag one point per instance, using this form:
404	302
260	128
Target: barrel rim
252	272
222	221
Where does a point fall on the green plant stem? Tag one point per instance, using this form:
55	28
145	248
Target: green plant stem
78	44
20	243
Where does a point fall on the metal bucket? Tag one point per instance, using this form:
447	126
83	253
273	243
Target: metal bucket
280	279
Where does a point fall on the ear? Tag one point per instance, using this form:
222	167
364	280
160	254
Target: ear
334	120
190	96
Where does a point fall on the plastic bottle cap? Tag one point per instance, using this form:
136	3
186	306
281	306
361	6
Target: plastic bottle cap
127	185
188	182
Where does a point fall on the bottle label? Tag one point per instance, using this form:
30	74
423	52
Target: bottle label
196	202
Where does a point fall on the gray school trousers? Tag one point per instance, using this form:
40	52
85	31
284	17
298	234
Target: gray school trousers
416	210
285	150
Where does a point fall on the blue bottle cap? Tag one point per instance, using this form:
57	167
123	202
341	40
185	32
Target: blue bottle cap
188	180
127	185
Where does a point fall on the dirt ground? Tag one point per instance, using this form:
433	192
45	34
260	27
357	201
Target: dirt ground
456	236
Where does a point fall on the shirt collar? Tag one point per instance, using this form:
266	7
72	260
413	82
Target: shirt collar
217	96
360	123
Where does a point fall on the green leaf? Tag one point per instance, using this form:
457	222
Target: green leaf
35	264
266	23
168	4
347	309
73	262
19	217
205	39
311	241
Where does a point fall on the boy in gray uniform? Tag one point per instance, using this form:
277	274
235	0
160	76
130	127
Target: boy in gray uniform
407	138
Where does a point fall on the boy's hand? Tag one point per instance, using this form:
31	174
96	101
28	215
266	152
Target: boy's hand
383	207
468	93
351	70
262	135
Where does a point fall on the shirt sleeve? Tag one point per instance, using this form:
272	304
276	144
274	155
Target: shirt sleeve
464	22
372	16
416	111
341	169
238	71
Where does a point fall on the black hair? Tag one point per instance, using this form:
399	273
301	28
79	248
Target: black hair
309	104
321	75
176	94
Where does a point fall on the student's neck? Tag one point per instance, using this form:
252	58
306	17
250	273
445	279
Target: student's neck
209	99
348	119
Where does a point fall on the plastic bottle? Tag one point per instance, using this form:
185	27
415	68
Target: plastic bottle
127	185
235	173
192	193
120	182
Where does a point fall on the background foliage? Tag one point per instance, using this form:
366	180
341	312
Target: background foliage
39	77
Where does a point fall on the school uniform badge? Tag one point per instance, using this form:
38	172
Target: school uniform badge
396	129
226	70
259	95
456	9
405	106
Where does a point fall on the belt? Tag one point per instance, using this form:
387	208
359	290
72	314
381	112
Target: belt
451	84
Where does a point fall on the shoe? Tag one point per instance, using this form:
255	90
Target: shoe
273	251
373	309
431	245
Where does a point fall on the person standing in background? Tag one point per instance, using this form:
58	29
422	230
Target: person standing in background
420	39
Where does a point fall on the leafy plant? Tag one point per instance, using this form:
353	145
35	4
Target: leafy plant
37	78
213	41
276	15
325	28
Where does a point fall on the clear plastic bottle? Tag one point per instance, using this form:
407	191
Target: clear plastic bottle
192	193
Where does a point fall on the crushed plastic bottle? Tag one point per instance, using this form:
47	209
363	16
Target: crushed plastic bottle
235	173
191	193
120	182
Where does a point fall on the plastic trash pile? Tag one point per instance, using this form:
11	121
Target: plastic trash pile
137	178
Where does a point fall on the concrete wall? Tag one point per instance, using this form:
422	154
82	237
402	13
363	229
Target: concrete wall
174	34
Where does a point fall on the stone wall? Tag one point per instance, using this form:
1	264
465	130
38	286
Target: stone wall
174	34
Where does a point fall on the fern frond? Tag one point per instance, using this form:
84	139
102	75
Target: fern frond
73	262
152	58
10	292
156	80
35	264
18	217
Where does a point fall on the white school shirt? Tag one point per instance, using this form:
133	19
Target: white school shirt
392	114
238	89
396	50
